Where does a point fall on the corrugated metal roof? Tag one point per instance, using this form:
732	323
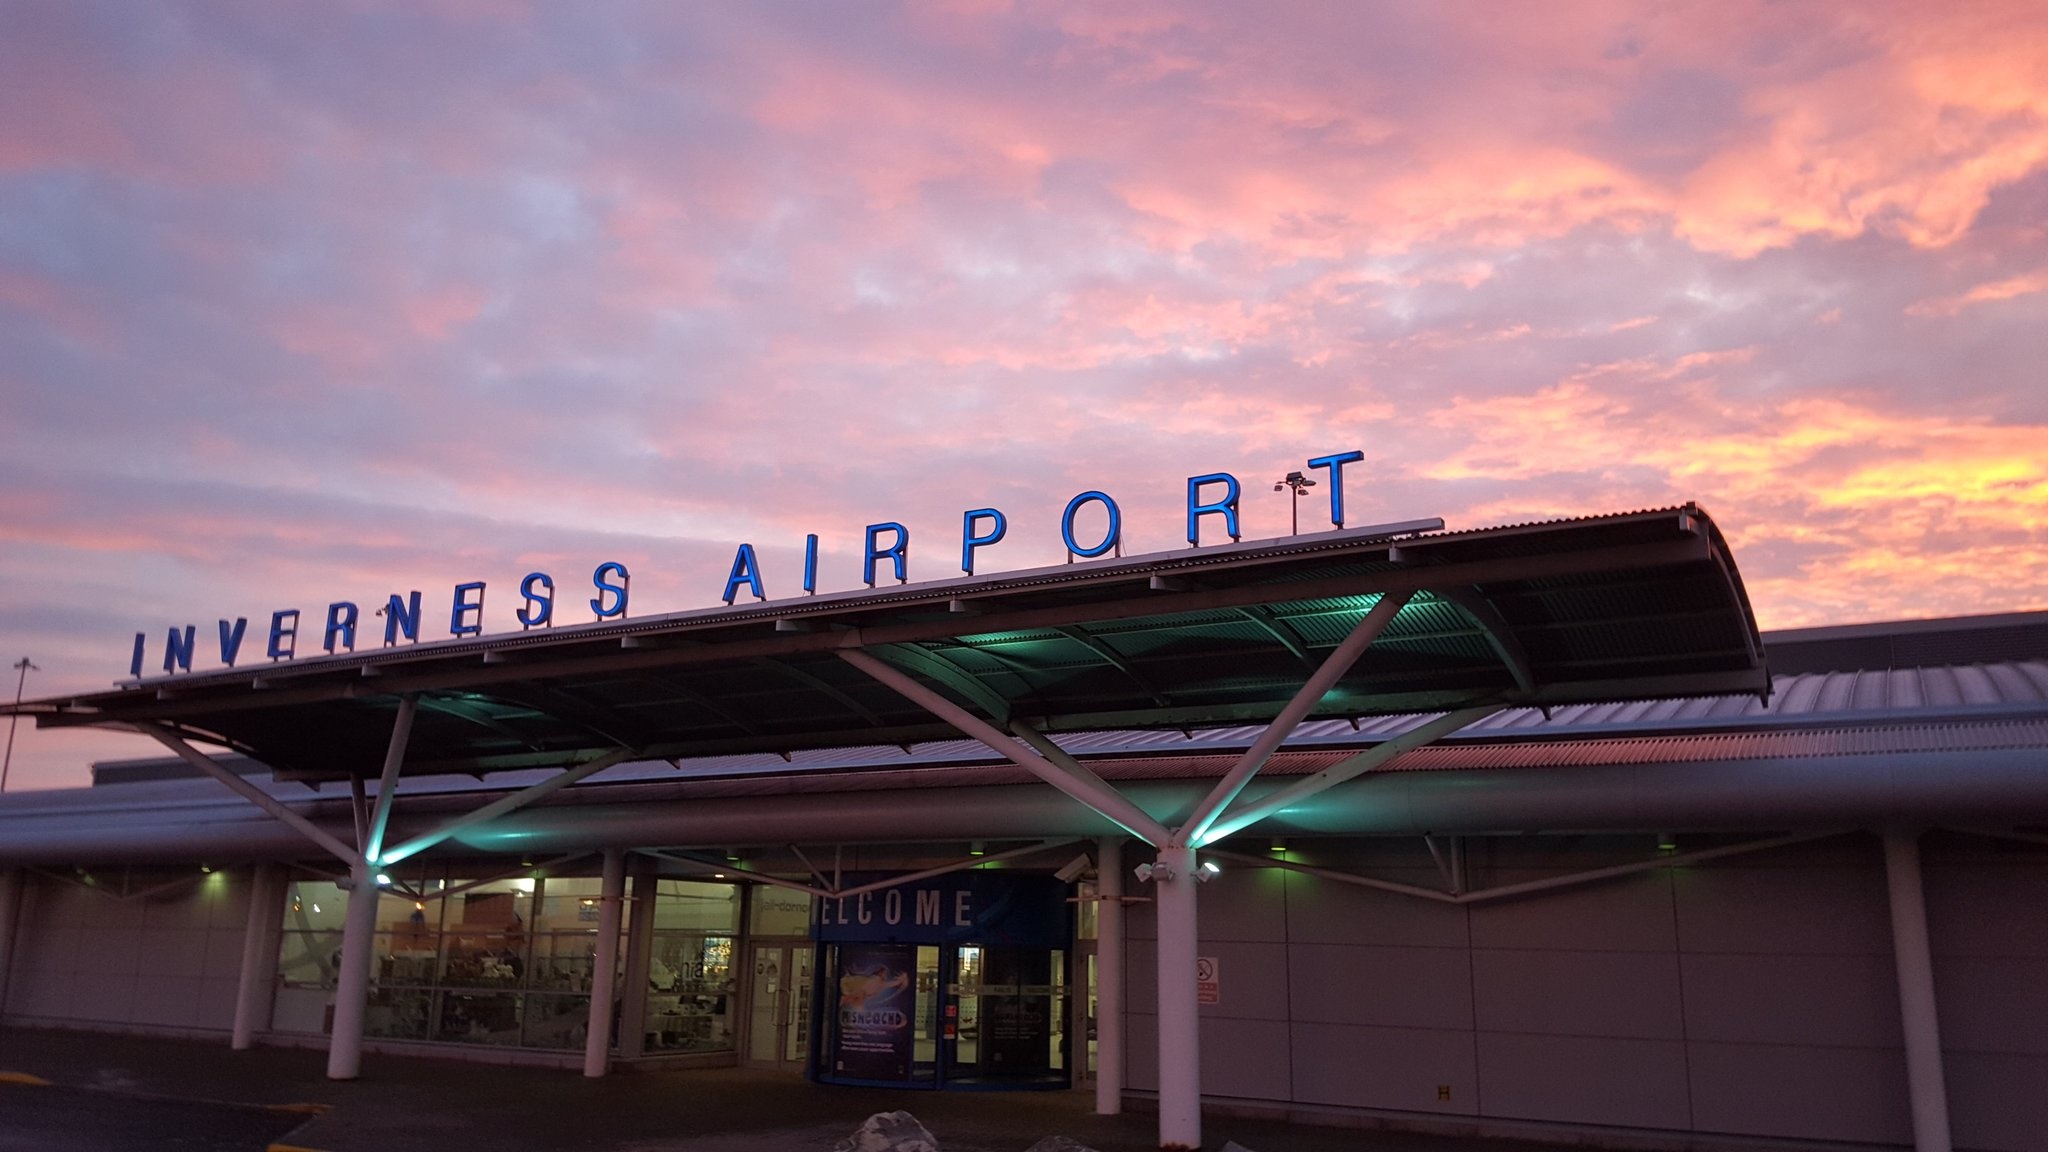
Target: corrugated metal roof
1446	757
1905	709
1186	638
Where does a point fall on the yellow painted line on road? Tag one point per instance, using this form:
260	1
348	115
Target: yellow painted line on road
289	1148
302	1109
23	1078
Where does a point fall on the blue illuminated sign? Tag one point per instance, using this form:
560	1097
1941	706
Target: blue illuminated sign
885	548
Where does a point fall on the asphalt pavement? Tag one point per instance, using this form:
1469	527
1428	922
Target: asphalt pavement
107	1092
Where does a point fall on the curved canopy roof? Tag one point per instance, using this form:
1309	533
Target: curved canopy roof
1621	607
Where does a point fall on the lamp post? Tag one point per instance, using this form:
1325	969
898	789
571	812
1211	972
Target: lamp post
1301	484
7	762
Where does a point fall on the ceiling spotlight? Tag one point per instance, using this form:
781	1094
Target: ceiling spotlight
977	848
1208	871
1148	872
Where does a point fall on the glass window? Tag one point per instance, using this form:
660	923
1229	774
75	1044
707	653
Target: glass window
570	904
556	1021
314	905
690	990
780	912
686	904
479	1017
506	962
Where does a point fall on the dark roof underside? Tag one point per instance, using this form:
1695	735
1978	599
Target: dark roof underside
1610	608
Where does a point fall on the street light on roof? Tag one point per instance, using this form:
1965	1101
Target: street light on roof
7	762
1301	484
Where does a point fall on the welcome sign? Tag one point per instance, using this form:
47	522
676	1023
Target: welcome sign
1214	494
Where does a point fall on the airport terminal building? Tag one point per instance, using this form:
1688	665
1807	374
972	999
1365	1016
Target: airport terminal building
1523	830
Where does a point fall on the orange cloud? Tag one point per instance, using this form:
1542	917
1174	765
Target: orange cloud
1837	505
2004	289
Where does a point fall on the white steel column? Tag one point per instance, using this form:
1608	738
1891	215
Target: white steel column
352	983
359	927
639	946
257	982
1925	1086
1180	1054
597	1042
12	883
1109	976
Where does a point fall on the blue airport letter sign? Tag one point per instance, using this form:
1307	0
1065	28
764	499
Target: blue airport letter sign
1110	538
466	617
341	625
402	616
538	590
284	633
1226	506
231	639
896	553
999	526
1335	463
746	569
611	581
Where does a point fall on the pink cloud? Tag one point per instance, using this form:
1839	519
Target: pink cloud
318	303
2005	289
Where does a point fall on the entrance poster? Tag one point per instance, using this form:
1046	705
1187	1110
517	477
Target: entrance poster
877	992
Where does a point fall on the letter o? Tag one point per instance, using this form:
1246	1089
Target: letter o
1109	539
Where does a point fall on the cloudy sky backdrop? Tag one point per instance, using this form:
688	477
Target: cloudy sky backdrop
302	303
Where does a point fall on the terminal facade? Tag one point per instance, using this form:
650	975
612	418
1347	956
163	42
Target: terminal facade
1701	912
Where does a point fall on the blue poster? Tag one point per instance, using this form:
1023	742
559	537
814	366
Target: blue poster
877	1001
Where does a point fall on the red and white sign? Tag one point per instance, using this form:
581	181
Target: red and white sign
1208	980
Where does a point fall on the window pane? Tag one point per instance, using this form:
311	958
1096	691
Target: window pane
565	962
569	904
690	992
309	959
479	1018
398	1013
405	959
780	912
314	905
556	1021
685	904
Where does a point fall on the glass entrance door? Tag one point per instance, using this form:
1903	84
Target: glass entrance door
779	1008
1006	1015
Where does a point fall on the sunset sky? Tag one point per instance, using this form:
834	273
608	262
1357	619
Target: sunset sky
316	302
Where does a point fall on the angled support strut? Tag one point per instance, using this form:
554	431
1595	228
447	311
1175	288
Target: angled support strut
1082	785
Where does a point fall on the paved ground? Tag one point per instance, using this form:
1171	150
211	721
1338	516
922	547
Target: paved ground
61	1119
131	1092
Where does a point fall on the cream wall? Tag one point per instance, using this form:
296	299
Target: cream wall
163	961
1749	996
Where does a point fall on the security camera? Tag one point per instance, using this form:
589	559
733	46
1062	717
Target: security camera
1074	869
